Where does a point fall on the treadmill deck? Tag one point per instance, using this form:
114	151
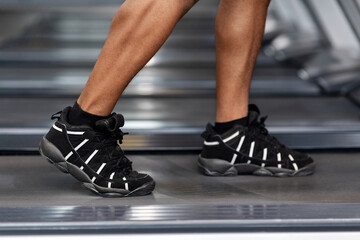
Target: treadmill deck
35	195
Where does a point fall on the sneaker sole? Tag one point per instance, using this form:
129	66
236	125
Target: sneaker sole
53	155
218	167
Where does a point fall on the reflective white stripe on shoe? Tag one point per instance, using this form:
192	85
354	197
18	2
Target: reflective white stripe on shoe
76	148
98	171
69	155
111	177
238	149
81	144
126	184
294	164
251	151
89	158
68	132
224	140
264	157
279	159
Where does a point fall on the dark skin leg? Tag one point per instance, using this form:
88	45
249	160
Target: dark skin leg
131	43
133	40
239	29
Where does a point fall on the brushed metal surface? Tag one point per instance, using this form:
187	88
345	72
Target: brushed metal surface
36	196
176	123
152	82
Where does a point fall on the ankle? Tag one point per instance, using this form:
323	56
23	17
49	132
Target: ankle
77	116
222	127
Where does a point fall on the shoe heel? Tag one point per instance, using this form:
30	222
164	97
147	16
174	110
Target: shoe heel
53	155
216	167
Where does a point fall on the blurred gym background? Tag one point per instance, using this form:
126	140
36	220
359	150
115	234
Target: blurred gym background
306	79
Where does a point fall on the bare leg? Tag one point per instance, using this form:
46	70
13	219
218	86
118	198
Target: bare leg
239	29
138	30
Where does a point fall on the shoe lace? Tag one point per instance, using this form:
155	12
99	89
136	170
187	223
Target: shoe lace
258	126
110	138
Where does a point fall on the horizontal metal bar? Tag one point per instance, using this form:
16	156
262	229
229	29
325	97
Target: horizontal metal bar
187	139
149	86
351	235
313	122
87	57
191	217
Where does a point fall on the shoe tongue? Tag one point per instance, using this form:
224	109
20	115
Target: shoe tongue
110	124
254	113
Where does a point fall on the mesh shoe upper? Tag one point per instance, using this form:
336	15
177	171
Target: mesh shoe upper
251	144
96	151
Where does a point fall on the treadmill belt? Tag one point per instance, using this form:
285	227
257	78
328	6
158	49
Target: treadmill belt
45	198
38	183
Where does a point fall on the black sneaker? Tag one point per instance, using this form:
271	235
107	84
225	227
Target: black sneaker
250	150
94	157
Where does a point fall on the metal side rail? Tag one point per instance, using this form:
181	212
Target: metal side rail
96	41
154	82
195	218
188	138
87	57
154	123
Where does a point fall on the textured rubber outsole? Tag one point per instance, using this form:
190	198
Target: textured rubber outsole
52	154
218	167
